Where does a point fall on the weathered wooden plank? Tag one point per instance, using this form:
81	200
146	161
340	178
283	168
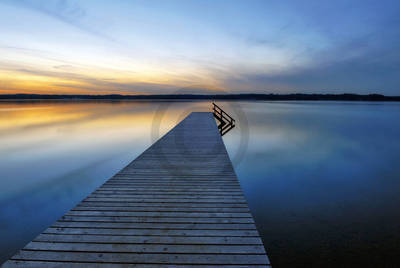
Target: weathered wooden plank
150	172
166	195
138	219
162	214
129	191
133	186
166	200
185	177
155	177
165	204
149	226
149	258
173	189
146	248
171	186
52	264
151	232
166	192
158	209
167	177
178	204
168	240
169	183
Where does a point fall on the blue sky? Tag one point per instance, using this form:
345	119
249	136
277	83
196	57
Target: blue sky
146	47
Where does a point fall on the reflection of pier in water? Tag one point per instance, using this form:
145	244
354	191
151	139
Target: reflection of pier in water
178	203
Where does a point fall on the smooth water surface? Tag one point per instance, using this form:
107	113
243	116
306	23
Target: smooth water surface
321	178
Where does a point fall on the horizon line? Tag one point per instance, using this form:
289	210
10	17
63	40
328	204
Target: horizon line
238	96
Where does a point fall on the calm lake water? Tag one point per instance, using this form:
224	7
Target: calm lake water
322	179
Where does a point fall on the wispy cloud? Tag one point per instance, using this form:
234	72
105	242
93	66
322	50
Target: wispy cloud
66	11
354	67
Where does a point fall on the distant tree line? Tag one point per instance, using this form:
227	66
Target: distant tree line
269	97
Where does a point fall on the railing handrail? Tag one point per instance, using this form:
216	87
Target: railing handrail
226	122
222	112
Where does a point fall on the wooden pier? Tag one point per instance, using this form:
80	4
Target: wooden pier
179	204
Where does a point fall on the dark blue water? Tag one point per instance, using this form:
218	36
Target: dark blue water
323	182
322	179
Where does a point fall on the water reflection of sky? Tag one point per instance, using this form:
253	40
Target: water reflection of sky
321	178
322	181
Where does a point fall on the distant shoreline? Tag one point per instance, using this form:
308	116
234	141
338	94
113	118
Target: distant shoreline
269	97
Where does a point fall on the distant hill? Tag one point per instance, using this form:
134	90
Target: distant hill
269	97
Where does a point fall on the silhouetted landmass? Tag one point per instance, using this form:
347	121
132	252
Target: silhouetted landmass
269	97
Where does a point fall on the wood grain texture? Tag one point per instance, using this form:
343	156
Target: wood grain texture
179	204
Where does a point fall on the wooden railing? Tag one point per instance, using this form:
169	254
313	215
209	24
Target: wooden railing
226	122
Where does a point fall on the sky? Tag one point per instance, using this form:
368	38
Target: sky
187	46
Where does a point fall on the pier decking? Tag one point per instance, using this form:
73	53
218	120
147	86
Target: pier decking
178	204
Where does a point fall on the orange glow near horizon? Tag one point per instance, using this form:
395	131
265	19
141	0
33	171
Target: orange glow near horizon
91	82
41	73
